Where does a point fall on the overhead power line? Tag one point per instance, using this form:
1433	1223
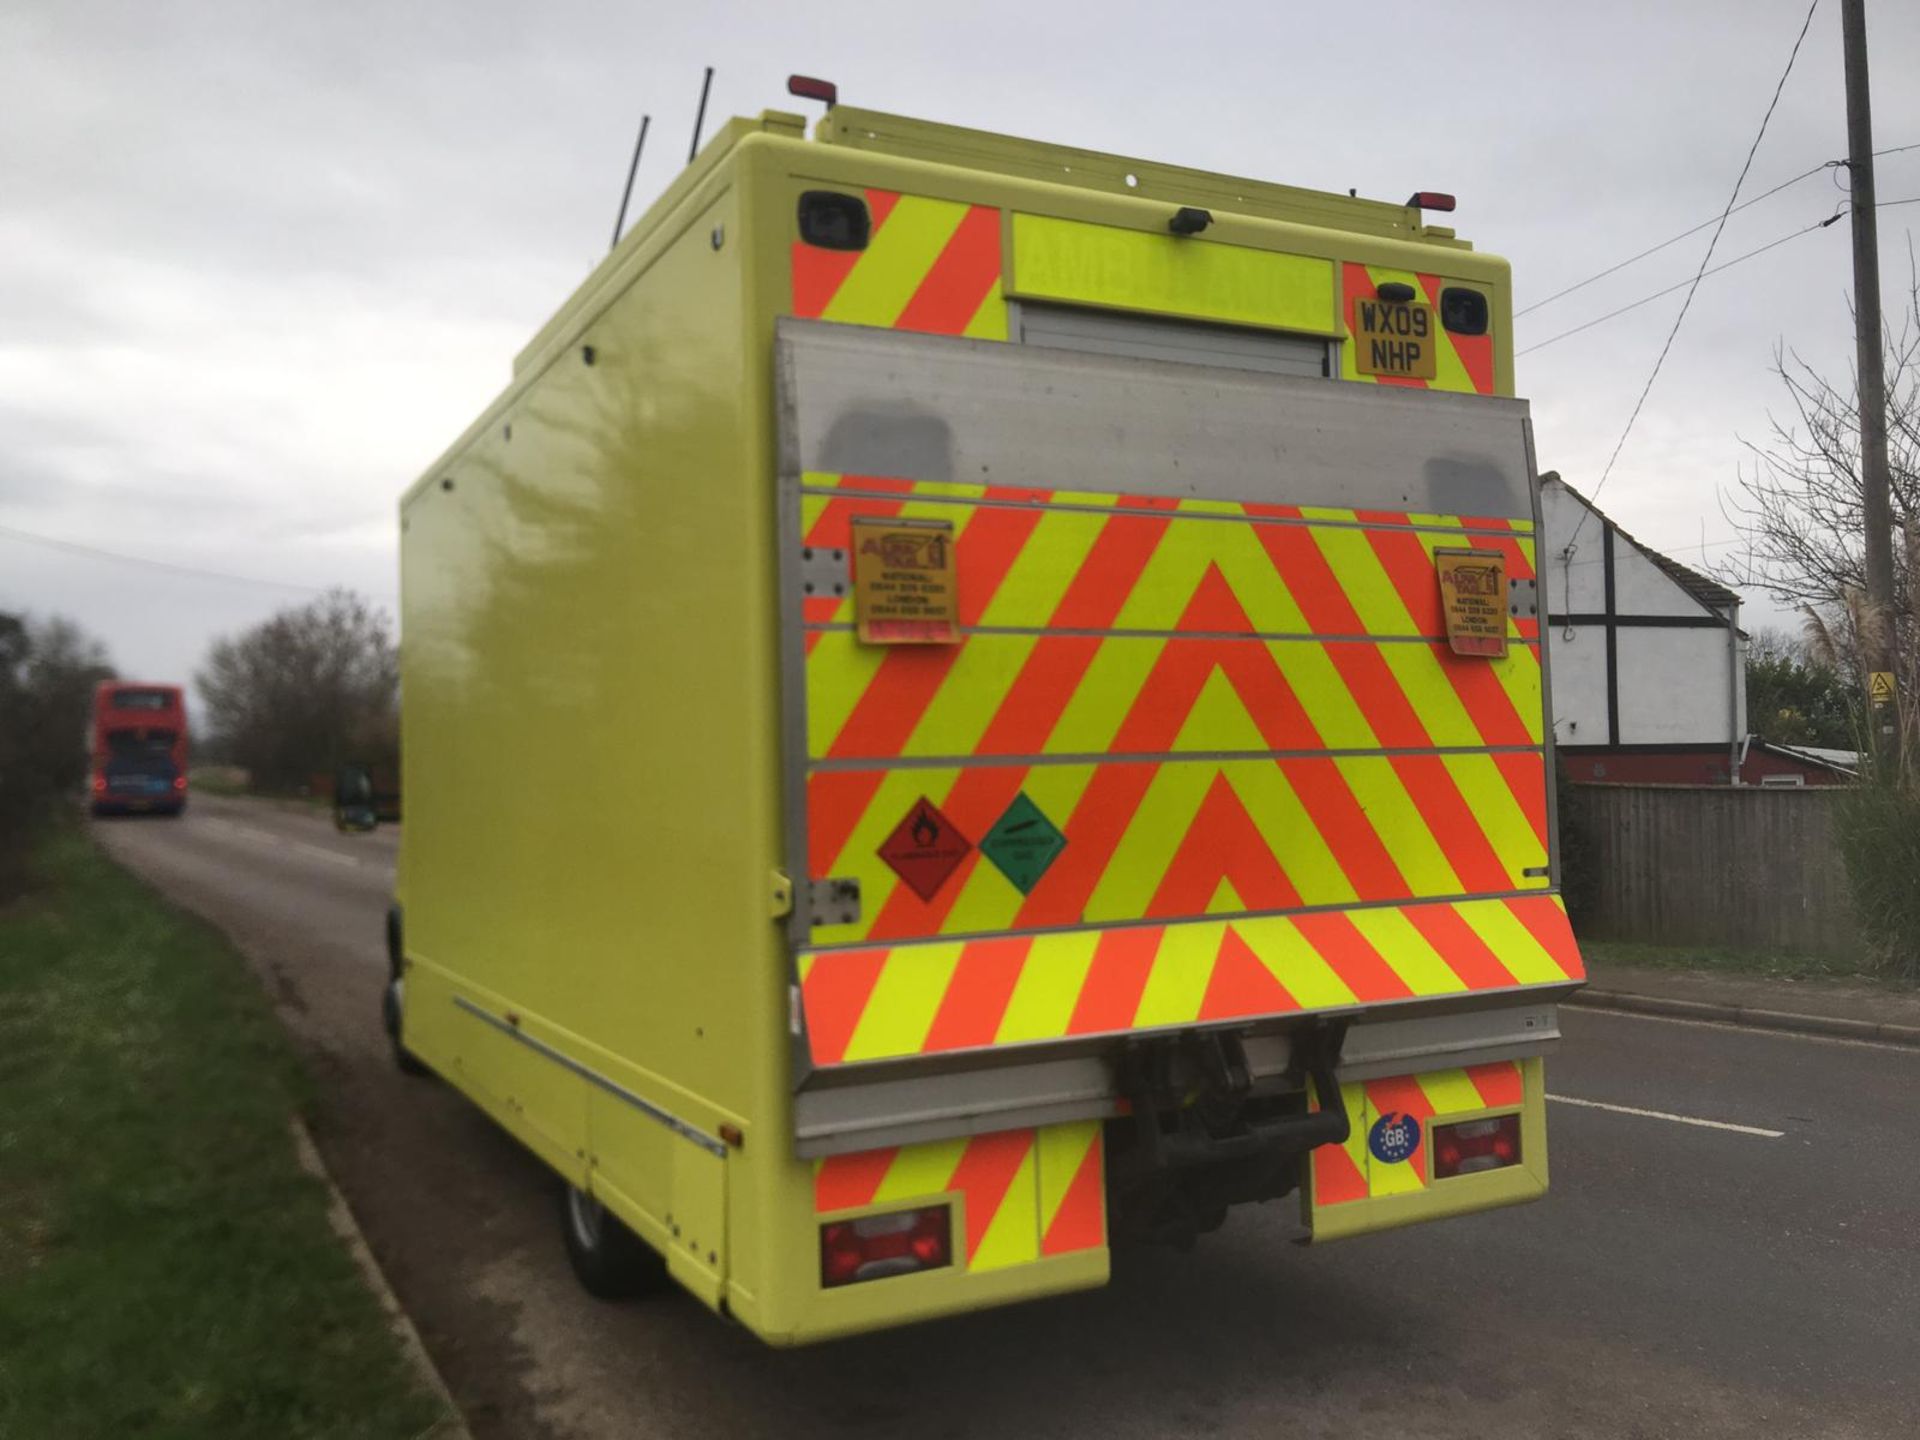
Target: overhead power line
1724	265
1681	285
1695	230
1675	240
94	552
1679	551
1699	274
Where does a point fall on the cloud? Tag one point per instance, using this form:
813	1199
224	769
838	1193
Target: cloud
260	263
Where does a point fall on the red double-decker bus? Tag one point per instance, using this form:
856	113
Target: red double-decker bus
139	748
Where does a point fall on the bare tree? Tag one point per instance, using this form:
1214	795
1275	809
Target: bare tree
305	691
1798	500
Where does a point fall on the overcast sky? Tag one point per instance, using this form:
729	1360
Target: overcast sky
260	262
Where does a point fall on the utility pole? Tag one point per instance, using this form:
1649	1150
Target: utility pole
1877	644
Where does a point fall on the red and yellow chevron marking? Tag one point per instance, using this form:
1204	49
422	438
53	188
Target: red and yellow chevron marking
1345	1173
1081	561
882	1003
1189	590
1167	839
1463	362
1089	694
1023	1194
930	265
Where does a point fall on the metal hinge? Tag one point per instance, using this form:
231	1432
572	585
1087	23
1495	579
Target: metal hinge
823	571
833	902
1523	599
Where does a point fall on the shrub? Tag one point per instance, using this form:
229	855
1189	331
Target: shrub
48	669
1576	848
1877	823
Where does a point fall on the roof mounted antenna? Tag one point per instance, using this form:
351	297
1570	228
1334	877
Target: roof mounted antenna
633	168
700	115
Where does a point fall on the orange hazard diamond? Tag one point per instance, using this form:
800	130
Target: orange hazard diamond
925	849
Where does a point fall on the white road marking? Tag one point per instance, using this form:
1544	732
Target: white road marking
1663	1115
1725	1025
253	833
325	854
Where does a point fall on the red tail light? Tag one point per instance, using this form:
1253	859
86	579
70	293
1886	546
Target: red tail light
1431	200
99	784
875	1246
179	782
1475	1145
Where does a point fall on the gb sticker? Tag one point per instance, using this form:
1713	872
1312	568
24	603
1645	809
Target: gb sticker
1394	1137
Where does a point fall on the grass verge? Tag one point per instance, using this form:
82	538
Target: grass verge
1723	960
166	1267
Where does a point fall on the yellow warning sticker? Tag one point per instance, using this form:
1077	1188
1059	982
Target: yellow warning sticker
1473	593
904	590
1880	687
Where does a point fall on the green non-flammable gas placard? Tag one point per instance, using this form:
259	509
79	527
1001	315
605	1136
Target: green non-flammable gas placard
1023	843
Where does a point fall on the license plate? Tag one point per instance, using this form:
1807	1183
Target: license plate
1393	339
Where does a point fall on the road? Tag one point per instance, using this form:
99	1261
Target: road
1681	1280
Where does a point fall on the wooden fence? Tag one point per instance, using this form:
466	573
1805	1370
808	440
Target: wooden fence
1748	867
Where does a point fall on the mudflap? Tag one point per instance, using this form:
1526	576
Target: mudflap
1383	1176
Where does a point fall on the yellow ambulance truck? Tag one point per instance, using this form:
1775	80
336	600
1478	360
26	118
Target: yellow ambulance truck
974	702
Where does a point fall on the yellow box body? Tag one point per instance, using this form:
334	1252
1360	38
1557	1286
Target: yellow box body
593	866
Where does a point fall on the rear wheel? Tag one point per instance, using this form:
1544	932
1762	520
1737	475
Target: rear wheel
390	1008
611	1262
393	999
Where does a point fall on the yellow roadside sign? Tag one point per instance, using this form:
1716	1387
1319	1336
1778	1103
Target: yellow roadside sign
1880	687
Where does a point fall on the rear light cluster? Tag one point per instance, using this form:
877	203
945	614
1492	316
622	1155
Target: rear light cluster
875	1246
99	784
179	782
1475	1145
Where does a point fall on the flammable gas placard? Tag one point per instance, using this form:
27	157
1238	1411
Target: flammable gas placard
1473	594
925	849
904	590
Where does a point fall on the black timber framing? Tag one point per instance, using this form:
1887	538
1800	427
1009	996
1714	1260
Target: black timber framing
1611	620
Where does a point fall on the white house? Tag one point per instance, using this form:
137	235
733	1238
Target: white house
1648	662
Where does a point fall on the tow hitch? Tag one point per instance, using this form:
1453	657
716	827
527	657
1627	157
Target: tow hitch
1201	1135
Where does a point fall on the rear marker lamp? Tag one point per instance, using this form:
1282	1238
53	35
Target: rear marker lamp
1431	200
834	221
1475	1145
179	782
806	87
1462	311
876	1246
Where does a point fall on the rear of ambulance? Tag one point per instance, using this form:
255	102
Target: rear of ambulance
1166	742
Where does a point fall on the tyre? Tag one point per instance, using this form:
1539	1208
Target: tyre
610	1261
393	999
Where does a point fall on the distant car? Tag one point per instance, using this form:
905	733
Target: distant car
354	809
